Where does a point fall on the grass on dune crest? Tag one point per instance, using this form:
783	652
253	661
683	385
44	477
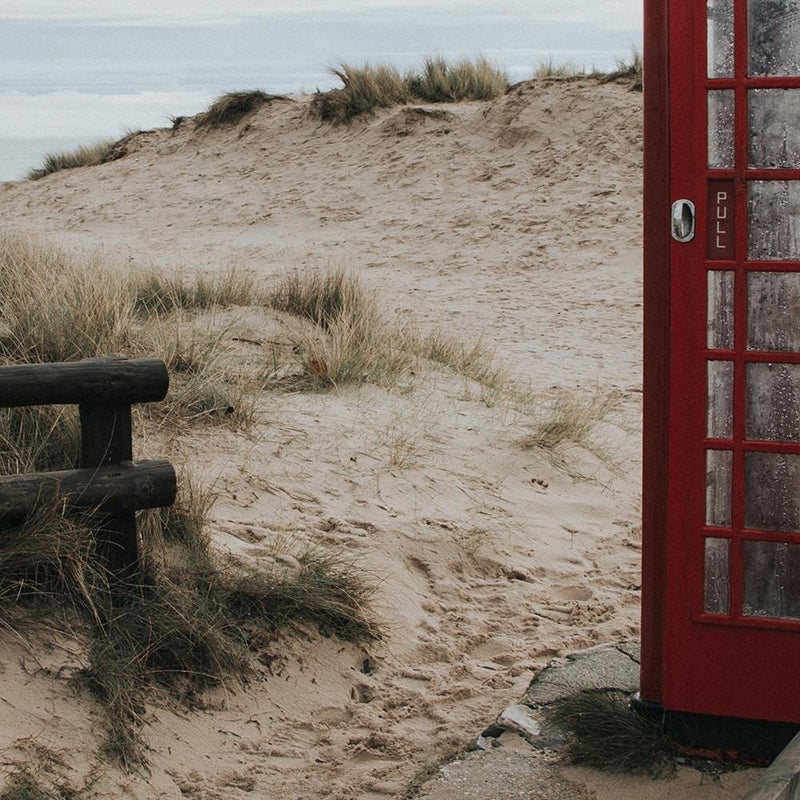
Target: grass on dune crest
365	89
441	81
630	69
231	108
626	70
82	156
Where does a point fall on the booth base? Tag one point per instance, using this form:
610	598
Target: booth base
745	741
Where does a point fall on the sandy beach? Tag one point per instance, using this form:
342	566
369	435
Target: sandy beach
514	222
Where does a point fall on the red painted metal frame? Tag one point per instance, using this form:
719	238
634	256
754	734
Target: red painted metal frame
693	661
656	344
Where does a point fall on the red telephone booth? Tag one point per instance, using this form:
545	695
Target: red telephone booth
721	493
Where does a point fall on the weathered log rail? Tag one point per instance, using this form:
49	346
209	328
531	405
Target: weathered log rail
108	483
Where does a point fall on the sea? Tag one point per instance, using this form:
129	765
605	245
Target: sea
65	82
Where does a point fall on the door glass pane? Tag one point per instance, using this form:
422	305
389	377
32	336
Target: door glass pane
773	311
720	400
720	310
773	402
774	220
719	469
720	129
774	129
774	32
720	38
772	491
717	584
771	580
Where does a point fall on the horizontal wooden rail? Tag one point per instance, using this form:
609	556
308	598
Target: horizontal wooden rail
124	487
94	381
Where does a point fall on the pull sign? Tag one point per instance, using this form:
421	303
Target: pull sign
721	219
683	220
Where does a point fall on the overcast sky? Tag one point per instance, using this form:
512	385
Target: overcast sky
608	14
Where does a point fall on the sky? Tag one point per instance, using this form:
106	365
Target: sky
625	14
79	70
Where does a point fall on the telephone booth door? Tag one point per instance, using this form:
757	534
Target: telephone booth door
721	585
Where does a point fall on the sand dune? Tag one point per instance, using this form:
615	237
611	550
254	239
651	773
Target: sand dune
516	221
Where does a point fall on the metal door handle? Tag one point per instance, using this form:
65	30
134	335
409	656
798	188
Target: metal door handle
683	220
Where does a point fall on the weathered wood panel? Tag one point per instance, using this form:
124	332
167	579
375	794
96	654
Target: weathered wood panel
118	488
95	381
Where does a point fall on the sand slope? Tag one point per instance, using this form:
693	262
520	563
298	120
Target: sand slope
517	221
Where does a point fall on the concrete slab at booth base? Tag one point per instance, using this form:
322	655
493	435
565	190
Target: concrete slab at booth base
607	666
782	780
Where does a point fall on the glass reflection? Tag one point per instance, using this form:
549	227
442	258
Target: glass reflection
717	585
773	402
774	220
720	400
719	471
720	310
774	132
721	129
772	491
773	311
774	33
771	580
720	38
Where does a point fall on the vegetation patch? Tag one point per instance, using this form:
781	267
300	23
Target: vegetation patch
365	89
233	107
630	69
157	293
569	419
604	731
440	81
83	156
345	338
192	621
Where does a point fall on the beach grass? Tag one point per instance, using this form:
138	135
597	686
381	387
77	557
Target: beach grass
231	108
367	88
82	156
604	731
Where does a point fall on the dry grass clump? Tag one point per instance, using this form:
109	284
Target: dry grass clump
160	294
475	362
53	309
569	419
205	381
229	109
83	156
346	340
443	82
548	70
39	439
43	776
365	89
630	69
604	731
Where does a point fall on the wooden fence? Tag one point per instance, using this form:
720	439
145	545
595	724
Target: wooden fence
108	481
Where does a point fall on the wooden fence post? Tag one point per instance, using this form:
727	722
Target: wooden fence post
103	389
